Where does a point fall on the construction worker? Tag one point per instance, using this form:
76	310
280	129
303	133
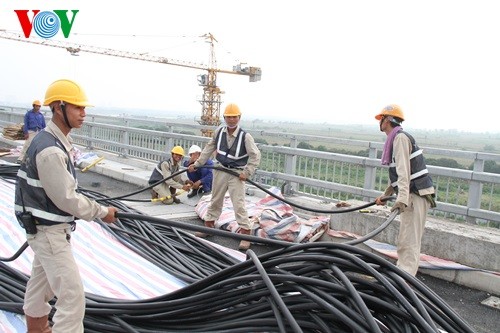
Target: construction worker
236	151
34	122
46	205
410	180
167	189
201	179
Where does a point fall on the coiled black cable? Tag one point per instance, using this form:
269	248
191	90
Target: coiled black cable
115	202
309	278
324	287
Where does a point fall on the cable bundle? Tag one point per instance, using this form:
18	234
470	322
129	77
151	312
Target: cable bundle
312	287
321	287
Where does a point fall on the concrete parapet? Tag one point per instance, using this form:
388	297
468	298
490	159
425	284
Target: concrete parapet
129	170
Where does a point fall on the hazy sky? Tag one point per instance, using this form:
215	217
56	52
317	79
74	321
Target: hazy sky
322	61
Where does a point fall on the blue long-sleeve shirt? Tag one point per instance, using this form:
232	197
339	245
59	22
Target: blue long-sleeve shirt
205	175
33	121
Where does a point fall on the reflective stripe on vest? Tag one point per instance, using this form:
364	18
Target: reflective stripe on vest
418	169
30	195
234	156
157	174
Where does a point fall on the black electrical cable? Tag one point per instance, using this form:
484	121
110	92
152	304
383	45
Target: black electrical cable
274	294
17	254
298	273
123	197
339	211
358	301
322	211
239	289
376	231
98	197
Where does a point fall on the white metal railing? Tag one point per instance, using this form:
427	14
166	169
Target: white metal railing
472	196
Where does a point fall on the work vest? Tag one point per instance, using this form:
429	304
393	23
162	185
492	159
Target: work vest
235	156
419	175
157	175
29	191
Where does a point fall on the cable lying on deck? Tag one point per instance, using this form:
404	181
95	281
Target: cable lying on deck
323	287
313	287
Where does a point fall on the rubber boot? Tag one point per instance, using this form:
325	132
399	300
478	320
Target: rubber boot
244	244
38	324
208	224
175	199
173	192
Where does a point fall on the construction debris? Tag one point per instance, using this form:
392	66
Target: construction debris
14	132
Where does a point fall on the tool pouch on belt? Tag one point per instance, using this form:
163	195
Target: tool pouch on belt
27	221
431	200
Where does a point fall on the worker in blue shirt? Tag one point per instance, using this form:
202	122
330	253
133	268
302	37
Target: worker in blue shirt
200	179
34	122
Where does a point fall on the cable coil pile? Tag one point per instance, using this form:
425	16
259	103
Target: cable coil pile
312	287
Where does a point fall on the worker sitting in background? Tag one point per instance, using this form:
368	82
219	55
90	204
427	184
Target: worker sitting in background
201	179
165	169
34	122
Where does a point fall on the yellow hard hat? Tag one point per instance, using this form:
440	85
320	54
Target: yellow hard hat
177	150
66	91
391	110
232	110
36	102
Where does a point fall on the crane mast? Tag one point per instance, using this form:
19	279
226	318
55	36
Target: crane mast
211	100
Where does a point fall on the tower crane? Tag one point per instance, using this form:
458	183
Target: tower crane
211	100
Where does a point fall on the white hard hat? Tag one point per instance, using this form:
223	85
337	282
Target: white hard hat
194	149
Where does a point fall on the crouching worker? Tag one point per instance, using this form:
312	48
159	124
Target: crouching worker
169	187
201	179
46	205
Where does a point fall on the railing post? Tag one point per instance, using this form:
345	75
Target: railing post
475	190
125	141
290	168
91	136
170	141
370	172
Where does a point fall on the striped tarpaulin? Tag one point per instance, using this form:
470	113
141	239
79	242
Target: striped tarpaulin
272	219
107	267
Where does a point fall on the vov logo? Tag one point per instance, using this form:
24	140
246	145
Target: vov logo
47	23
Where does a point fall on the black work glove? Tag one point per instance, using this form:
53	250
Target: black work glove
398	205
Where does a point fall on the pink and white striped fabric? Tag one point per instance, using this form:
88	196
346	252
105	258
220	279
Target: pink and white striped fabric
272	219
107	267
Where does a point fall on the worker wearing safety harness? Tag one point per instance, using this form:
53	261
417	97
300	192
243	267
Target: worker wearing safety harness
46	205
410	180
235	150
